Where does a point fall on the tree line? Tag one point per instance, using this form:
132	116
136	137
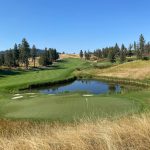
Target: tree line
21	54
139	49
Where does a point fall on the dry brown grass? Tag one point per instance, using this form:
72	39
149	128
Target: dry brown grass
133	70
131	133
64	56
31	63
130	70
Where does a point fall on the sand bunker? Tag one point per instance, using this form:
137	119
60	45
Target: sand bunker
30	93
87	95
18	97
17	94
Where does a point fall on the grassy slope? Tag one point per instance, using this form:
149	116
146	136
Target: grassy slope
131	70
24	79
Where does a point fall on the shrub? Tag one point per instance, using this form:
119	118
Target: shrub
146	58
103	65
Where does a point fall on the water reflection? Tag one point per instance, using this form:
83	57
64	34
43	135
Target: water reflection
88	86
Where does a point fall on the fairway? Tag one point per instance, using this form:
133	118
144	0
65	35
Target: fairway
22	79
67	107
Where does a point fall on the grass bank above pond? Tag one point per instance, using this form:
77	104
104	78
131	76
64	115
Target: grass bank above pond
23	79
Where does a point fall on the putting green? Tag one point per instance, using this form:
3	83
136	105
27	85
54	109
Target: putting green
67	107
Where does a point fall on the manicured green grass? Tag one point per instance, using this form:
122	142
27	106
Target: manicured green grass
65	107
68	107
21	79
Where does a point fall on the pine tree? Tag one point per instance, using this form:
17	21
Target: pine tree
1	59
117	49
123	54
8	58
33	54
98	53
111	55
45	58
53	55
130	53
141	46
135	46
25	52
81	54
16	55
87	55
138	53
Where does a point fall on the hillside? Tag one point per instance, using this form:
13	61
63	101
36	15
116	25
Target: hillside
132	70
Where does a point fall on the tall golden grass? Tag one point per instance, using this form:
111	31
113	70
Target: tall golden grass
132	70
128	133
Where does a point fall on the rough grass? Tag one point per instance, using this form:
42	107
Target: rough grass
128	133
131	70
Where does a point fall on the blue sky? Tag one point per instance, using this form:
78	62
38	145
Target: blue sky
71	25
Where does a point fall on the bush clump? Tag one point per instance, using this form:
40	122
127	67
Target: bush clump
103	65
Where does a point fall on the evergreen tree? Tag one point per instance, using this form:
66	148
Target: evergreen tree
117	49
105	52
81	54
16	55
33	54
112	56
45	58
98	53
147	48
25	52
130	53
135	46
1	59
87	55
8	58
138	52
141	46
53	55
123	54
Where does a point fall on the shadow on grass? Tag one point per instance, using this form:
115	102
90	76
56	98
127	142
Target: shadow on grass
19	71
62	61
4	73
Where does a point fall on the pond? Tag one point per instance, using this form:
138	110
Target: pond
86	86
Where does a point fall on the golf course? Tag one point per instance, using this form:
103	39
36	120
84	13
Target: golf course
66	106
72	102
74	75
